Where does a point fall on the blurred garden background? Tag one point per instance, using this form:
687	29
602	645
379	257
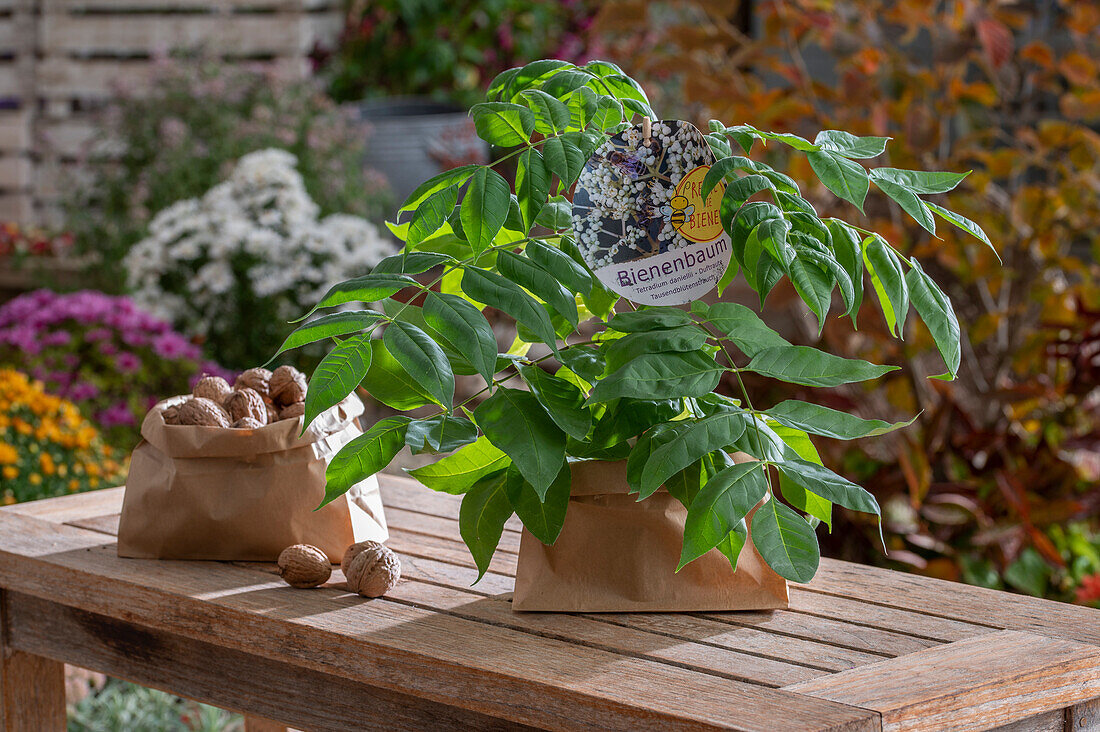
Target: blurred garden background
177	182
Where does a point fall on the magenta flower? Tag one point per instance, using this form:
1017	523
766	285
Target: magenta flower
97	334
127	362
83	391
87	346
117	415
170	345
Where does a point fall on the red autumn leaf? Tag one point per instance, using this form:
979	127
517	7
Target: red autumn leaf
996	40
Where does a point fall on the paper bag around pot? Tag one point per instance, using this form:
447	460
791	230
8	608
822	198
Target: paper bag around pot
235	494
618	554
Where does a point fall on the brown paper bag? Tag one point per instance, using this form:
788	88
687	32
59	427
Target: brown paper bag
234	494
618	554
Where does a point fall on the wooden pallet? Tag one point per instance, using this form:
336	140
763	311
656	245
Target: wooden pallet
62	59
859	649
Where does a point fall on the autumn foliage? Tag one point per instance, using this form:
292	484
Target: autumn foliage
1003	457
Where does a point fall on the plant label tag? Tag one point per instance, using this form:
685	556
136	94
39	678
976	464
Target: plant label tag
640	220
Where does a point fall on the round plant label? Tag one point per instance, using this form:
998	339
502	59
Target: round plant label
640	221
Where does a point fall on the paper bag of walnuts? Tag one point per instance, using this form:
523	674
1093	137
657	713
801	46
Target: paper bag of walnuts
224	474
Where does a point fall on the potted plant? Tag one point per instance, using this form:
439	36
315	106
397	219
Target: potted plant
411	72
638	385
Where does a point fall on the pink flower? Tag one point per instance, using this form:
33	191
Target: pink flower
83	391
117	415
57	338
127	363
171	345
97	334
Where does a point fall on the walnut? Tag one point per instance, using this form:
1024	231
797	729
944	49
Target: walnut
171	414
304	566
272	412
246	403
257	379
214	388
248	423
371	568
203	412
295	410
288	385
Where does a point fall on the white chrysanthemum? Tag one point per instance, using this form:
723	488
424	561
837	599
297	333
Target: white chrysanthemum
256	234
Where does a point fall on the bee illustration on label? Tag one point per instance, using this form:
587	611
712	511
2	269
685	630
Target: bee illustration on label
677	211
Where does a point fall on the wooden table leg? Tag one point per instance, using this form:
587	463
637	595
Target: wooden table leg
32	688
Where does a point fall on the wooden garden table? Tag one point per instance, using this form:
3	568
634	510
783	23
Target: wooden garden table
859	649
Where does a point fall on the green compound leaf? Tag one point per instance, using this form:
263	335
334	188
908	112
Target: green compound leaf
508	297
888	280
555	215
660	376
440	433
689	442
484	208
799	444
848	252
388	382
965	224
516	423
561	266
436	183
481	518
823	482
525	273
609	112
720	509
364	456
543	518
532	185
368	288
503	123
564	158
908	201
920	181
410	263
330	326
551	115
785	541
621	351
338	374
810	367
422	359
814	286
935	310
740	190
430	215
653	318
846	179
457	473
850	146
563	401
465	330
819	420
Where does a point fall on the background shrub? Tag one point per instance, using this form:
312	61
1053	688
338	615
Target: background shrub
187	132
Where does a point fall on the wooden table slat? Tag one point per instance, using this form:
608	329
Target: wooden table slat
860	647
972	684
